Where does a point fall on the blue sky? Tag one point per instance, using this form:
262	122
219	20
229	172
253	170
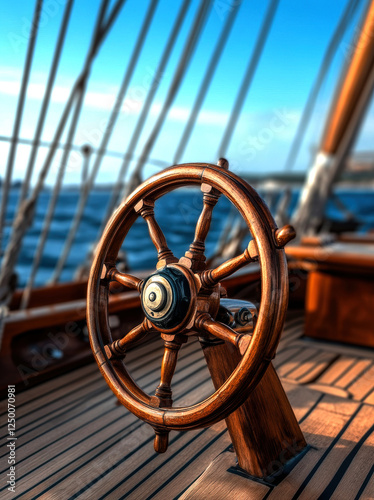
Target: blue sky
292	55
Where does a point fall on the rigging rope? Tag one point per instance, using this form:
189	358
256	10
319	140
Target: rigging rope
19	112
75	147
27	206
195	31
46	100
114	199
188	51
206	82
248	77
25	214
335	41
53	201
105	140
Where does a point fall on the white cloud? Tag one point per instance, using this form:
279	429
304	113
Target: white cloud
105	101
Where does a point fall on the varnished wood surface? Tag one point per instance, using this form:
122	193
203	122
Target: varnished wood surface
356	84
195	256
203	290
341	256
75	442
339	290
264	426
339	307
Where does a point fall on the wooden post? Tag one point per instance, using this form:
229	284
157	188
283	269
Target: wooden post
351	100
264	430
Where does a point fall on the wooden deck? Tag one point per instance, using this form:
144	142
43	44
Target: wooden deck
74	441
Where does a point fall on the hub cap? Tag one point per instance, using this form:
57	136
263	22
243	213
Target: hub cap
166	297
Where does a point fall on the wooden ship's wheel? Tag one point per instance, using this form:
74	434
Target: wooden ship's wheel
182	299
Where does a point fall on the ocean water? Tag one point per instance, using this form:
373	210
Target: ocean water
176	213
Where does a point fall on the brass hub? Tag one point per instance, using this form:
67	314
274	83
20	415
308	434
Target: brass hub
157	296
166	297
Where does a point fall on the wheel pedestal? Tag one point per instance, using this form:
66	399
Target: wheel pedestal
264	430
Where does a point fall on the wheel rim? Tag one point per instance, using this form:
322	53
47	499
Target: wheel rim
274	298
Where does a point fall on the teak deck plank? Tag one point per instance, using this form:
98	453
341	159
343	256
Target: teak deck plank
321	427
123	459
29	400
370	398
343	364
65	458
76	442
56	389
218	483
181	480
148	480
286	354
363	385
322	483
309	371
98	388
356	371
360	468
367	488
184	373
296	362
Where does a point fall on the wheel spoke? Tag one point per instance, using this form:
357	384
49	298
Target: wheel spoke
163	394
206	324
165	256
117	349
161	441
211	277
195	257
126	280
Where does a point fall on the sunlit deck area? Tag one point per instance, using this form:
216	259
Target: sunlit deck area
75	441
